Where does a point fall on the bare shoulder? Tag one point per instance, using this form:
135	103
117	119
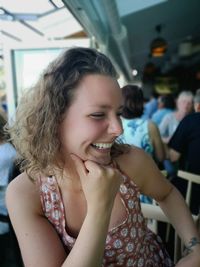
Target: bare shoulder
22	192
133	161
132	157
39	243
142	169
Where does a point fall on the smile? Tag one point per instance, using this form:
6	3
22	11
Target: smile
102	145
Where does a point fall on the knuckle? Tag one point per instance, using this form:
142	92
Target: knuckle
99	172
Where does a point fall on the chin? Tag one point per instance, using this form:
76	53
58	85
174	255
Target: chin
102	160
99	159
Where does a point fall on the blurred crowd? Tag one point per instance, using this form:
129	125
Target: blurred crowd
168	128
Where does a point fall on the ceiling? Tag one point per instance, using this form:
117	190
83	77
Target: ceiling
44	20
123	29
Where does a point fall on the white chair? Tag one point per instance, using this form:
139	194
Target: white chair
191	178
157	212
154	214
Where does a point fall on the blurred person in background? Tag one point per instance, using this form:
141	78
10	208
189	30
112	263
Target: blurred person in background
184	147
139	131
168	125
2	111
7	164
150	106
197	102
197	92
3	103
184	106
166	105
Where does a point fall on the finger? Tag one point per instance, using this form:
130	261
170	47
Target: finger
92	166
79	164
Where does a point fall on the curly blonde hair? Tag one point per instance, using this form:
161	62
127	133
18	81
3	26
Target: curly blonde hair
35	130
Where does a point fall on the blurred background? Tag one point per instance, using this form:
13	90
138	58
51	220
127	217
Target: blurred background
153	43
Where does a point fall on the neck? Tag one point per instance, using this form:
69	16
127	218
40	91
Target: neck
69	179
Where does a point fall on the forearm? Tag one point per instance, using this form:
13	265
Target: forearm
179	215
89	247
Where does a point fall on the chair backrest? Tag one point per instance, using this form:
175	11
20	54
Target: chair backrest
153	212
190	178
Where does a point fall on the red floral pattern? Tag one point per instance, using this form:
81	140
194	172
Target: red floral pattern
129	244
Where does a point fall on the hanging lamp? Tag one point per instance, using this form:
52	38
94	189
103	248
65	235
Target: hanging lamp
158	45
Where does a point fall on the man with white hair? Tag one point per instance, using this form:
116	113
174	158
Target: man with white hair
184	106
185	146
168	125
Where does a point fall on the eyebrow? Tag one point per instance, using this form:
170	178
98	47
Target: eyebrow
106	106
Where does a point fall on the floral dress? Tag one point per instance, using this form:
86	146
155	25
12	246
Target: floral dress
129	244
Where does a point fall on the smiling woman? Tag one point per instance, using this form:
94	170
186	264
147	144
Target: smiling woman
81	206
54	102
99	99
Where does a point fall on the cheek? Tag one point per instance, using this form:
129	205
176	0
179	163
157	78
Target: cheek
92	130
190	105
79	134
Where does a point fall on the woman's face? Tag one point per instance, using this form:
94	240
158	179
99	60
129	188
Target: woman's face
92	122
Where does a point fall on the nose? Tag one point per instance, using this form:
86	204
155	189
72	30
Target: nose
115	126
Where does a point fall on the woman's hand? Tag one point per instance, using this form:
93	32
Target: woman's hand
100	184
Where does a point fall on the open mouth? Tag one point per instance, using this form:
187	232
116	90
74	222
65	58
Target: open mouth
102	146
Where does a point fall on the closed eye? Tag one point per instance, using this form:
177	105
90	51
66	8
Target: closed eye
98	115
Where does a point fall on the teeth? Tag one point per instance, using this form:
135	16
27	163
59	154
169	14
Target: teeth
102	145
